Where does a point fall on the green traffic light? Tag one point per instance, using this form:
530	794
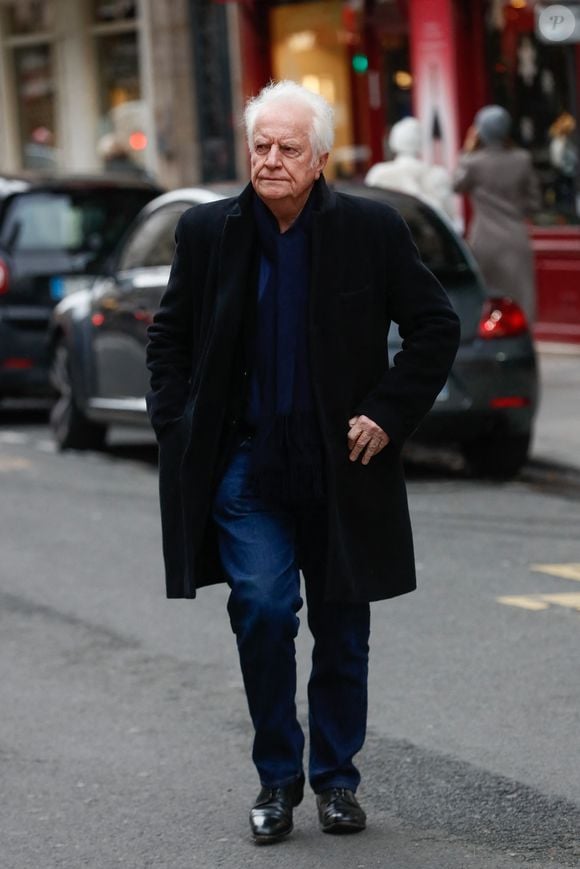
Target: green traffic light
360	62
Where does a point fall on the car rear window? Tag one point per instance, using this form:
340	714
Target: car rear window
436	243
70	220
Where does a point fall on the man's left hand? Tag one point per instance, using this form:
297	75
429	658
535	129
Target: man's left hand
365	437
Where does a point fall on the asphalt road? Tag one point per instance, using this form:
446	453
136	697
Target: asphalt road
123	728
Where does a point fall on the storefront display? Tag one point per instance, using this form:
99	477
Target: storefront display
308	46
537	81
121	109
122	139
442	60
534	71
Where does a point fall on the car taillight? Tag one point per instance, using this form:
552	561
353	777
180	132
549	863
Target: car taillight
503	402
17	363
4	277
502	318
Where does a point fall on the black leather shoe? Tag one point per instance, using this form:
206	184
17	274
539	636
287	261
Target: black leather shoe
339	811
271	815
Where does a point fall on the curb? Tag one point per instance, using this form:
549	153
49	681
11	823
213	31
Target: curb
551	474
557	348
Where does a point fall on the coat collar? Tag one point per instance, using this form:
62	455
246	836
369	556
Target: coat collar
324	199
237	252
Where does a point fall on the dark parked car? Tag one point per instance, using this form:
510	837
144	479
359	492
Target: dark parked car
99	334
51	227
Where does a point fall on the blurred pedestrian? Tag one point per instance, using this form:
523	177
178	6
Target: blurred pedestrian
409	173
564	159
280	426
503	188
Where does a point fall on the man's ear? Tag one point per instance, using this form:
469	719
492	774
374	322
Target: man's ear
322	161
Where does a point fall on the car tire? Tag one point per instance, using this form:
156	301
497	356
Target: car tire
70	427
499	458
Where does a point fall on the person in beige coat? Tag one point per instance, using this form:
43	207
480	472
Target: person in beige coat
500	180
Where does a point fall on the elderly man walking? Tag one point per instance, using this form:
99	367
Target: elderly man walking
280	426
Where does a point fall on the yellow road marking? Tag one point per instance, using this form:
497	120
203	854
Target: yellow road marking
570	600
7	465
524	601
564	571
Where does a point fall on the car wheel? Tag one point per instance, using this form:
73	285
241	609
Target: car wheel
497	457
70	427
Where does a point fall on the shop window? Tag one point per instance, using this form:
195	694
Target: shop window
390	26
535	81
26	26
25	17
34	78
122	133
114	10
310	44
398	80
118	60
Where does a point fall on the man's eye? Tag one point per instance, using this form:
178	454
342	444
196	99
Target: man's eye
261	149
289	151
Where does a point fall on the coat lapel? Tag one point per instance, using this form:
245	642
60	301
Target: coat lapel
327	255
236	258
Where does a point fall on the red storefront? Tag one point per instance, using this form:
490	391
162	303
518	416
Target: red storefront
379	60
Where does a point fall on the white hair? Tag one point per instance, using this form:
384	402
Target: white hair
406	137
321	133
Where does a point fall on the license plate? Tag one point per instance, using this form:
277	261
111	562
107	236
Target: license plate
64	285
57	289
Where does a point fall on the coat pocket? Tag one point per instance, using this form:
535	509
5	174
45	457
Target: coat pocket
359	295
356	299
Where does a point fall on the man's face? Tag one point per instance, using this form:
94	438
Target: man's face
282	166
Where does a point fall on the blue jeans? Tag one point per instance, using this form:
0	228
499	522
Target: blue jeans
262	548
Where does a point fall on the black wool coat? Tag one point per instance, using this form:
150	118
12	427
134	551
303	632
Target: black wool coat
365	273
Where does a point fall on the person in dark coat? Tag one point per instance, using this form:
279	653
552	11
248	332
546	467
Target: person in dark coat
280	427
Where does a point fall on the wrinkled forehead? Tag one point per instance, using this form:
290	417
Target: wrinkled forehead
283	119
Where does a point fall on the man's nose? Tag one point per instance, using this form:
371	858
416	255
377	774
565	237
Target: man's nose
273	156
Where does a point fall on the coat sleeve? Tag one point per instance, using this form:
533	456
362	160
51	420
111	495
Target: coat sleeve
463	180
170	346
430	333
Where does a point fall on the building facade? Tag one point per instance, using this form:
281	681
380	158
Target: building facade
148	86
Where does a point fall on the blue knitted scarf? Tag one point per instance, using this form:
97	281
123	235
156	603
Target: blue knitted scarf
287	458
